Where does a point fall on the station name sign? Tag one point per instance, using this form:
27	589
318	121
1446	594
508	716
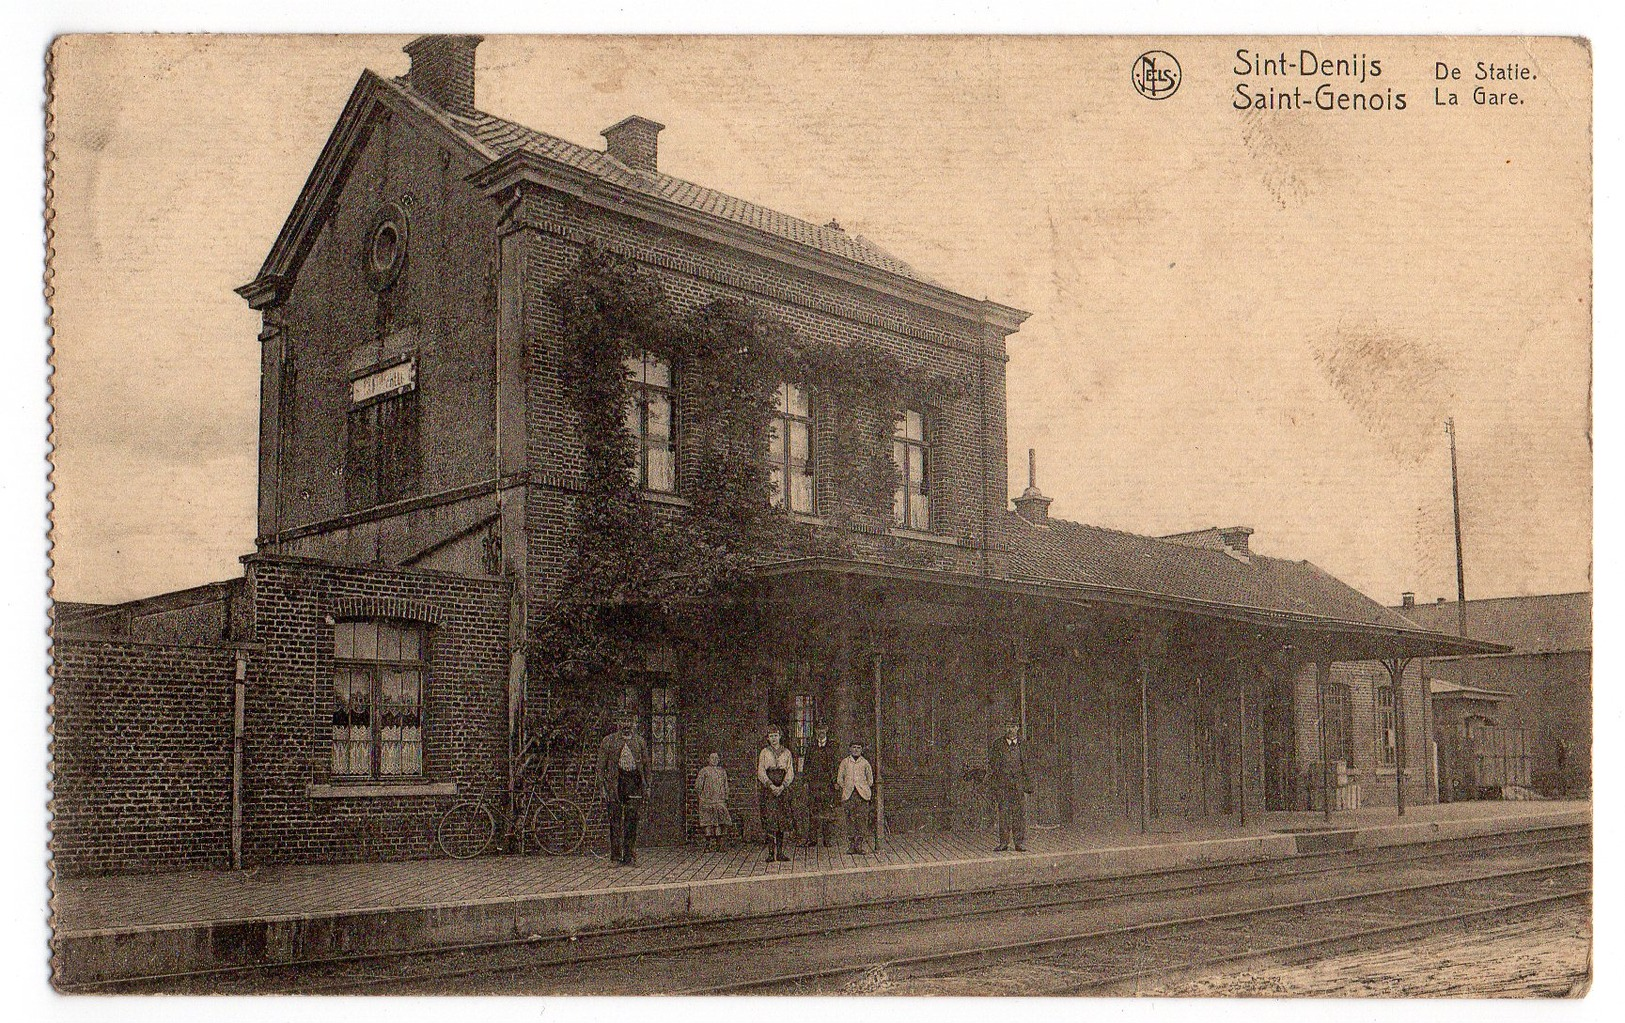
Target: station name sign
384	383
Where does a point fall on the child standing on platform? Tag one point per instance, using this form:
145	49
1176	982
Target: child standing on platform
711	787
856	777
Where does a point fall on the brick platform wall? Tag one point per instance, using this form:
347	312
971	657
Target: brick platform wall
289	818
141	757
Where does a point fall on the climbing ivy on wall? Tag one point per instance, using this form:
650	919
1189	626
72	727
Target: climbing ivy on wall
636	561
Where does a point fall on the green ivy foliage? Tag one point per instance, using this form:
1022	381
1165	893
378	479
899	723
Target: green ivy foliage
638	563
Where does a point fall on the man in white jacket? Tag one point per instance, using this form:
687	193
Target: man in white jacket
856	779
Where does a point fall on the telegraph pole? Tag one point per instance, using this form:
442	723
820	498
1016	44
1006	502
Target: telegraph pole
1461	576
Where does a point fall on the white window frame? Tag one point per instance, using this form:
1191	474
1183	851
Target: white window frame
352	660
911	502
791	417
1386	726
644	386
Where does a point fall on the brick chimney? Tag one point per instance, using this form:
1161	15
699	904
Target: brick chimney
1032	505
1407	600
442	71
635	141
1232	540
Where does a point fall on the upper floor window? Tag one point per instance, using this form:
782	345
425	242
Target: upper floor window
911	450
790	450
650	418
1387	740
377	700
381	454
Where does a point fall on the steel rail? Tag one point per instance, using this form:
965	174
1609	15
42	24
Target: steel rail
951	914
1104	984
1351	858
821	930
920	918
1018	948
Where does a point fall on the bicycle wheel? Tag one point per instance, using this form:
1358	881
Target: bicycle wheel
558	826
466	830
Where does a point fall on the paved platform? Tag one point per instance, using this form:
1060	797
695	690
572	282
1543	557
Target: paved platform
121	925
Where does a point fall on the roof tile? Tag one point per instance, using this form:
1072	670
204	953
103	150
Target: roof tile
1073	552
501	137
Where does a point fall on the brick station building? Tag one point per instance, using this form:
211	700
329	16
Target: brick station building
422	481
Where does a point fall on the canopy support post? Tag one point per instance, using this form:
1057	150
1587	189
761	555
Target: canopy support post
1323	678
1396	676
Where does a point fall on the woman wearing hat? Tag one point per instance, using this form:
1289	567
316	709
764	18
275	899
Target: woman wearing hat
775	770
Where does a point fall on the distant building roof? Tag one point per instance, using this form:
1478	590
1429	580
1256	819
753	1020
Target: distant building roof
1440	687
1546	624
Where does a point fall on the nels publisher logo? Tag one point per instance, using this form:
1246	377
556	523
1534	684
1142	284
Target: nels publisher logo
1155	74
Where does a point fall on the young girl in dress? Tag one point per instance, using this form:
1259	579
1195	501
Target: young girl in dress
711	788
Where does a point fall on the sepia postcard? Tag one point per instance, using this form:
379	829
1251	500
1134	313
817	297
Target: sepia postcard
807	515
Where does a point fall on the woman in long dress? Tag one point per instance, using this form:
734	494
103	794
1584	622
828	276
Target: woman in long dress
775	770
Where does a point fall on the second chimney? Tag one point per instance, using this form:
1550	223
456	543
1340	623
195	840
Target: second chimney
1032	505
442	71
1407	600
635	141
1234	539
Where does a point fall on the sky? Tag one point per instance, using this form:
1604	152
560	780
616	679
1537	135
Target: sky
1256	317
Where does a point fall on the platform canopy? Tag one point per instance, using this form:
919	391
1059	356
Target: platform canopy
1341	625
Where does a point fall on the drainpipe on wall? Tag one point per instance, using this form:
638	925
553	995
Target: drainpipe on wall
238	686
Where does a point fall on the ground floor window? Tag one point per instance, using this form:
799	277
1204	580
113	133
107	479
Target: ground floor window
1387	741
1339	722
377	713
802	725
663	751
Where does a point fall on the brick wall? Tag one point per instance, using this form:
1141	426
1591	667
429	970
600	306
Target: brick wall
288	818
724	703
141	756
821	310
1377	782
441	310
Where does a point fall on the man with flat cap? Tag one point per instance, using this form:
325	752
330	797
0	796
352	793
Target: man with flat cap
623	781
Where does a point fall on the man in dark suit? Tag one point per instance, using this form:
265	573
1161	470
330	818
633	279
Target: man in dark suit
1007	769
820	760
623	781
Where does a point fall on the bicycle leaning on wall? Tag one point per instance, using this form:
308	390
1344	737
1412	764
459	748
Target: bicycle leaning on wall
540	817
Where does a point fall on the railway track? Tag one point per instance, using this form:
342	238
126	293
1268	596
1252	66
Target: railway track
1118	960
576	958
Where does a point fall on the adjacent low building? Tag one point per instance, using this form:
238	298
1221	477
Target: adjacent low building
1540	684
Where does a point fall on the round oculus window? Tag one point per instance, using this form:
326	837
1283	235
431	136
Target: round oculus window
386	247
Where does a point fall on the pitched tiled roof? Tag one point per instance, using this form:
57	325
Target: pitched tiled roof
499	137
1550	623
1073	552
